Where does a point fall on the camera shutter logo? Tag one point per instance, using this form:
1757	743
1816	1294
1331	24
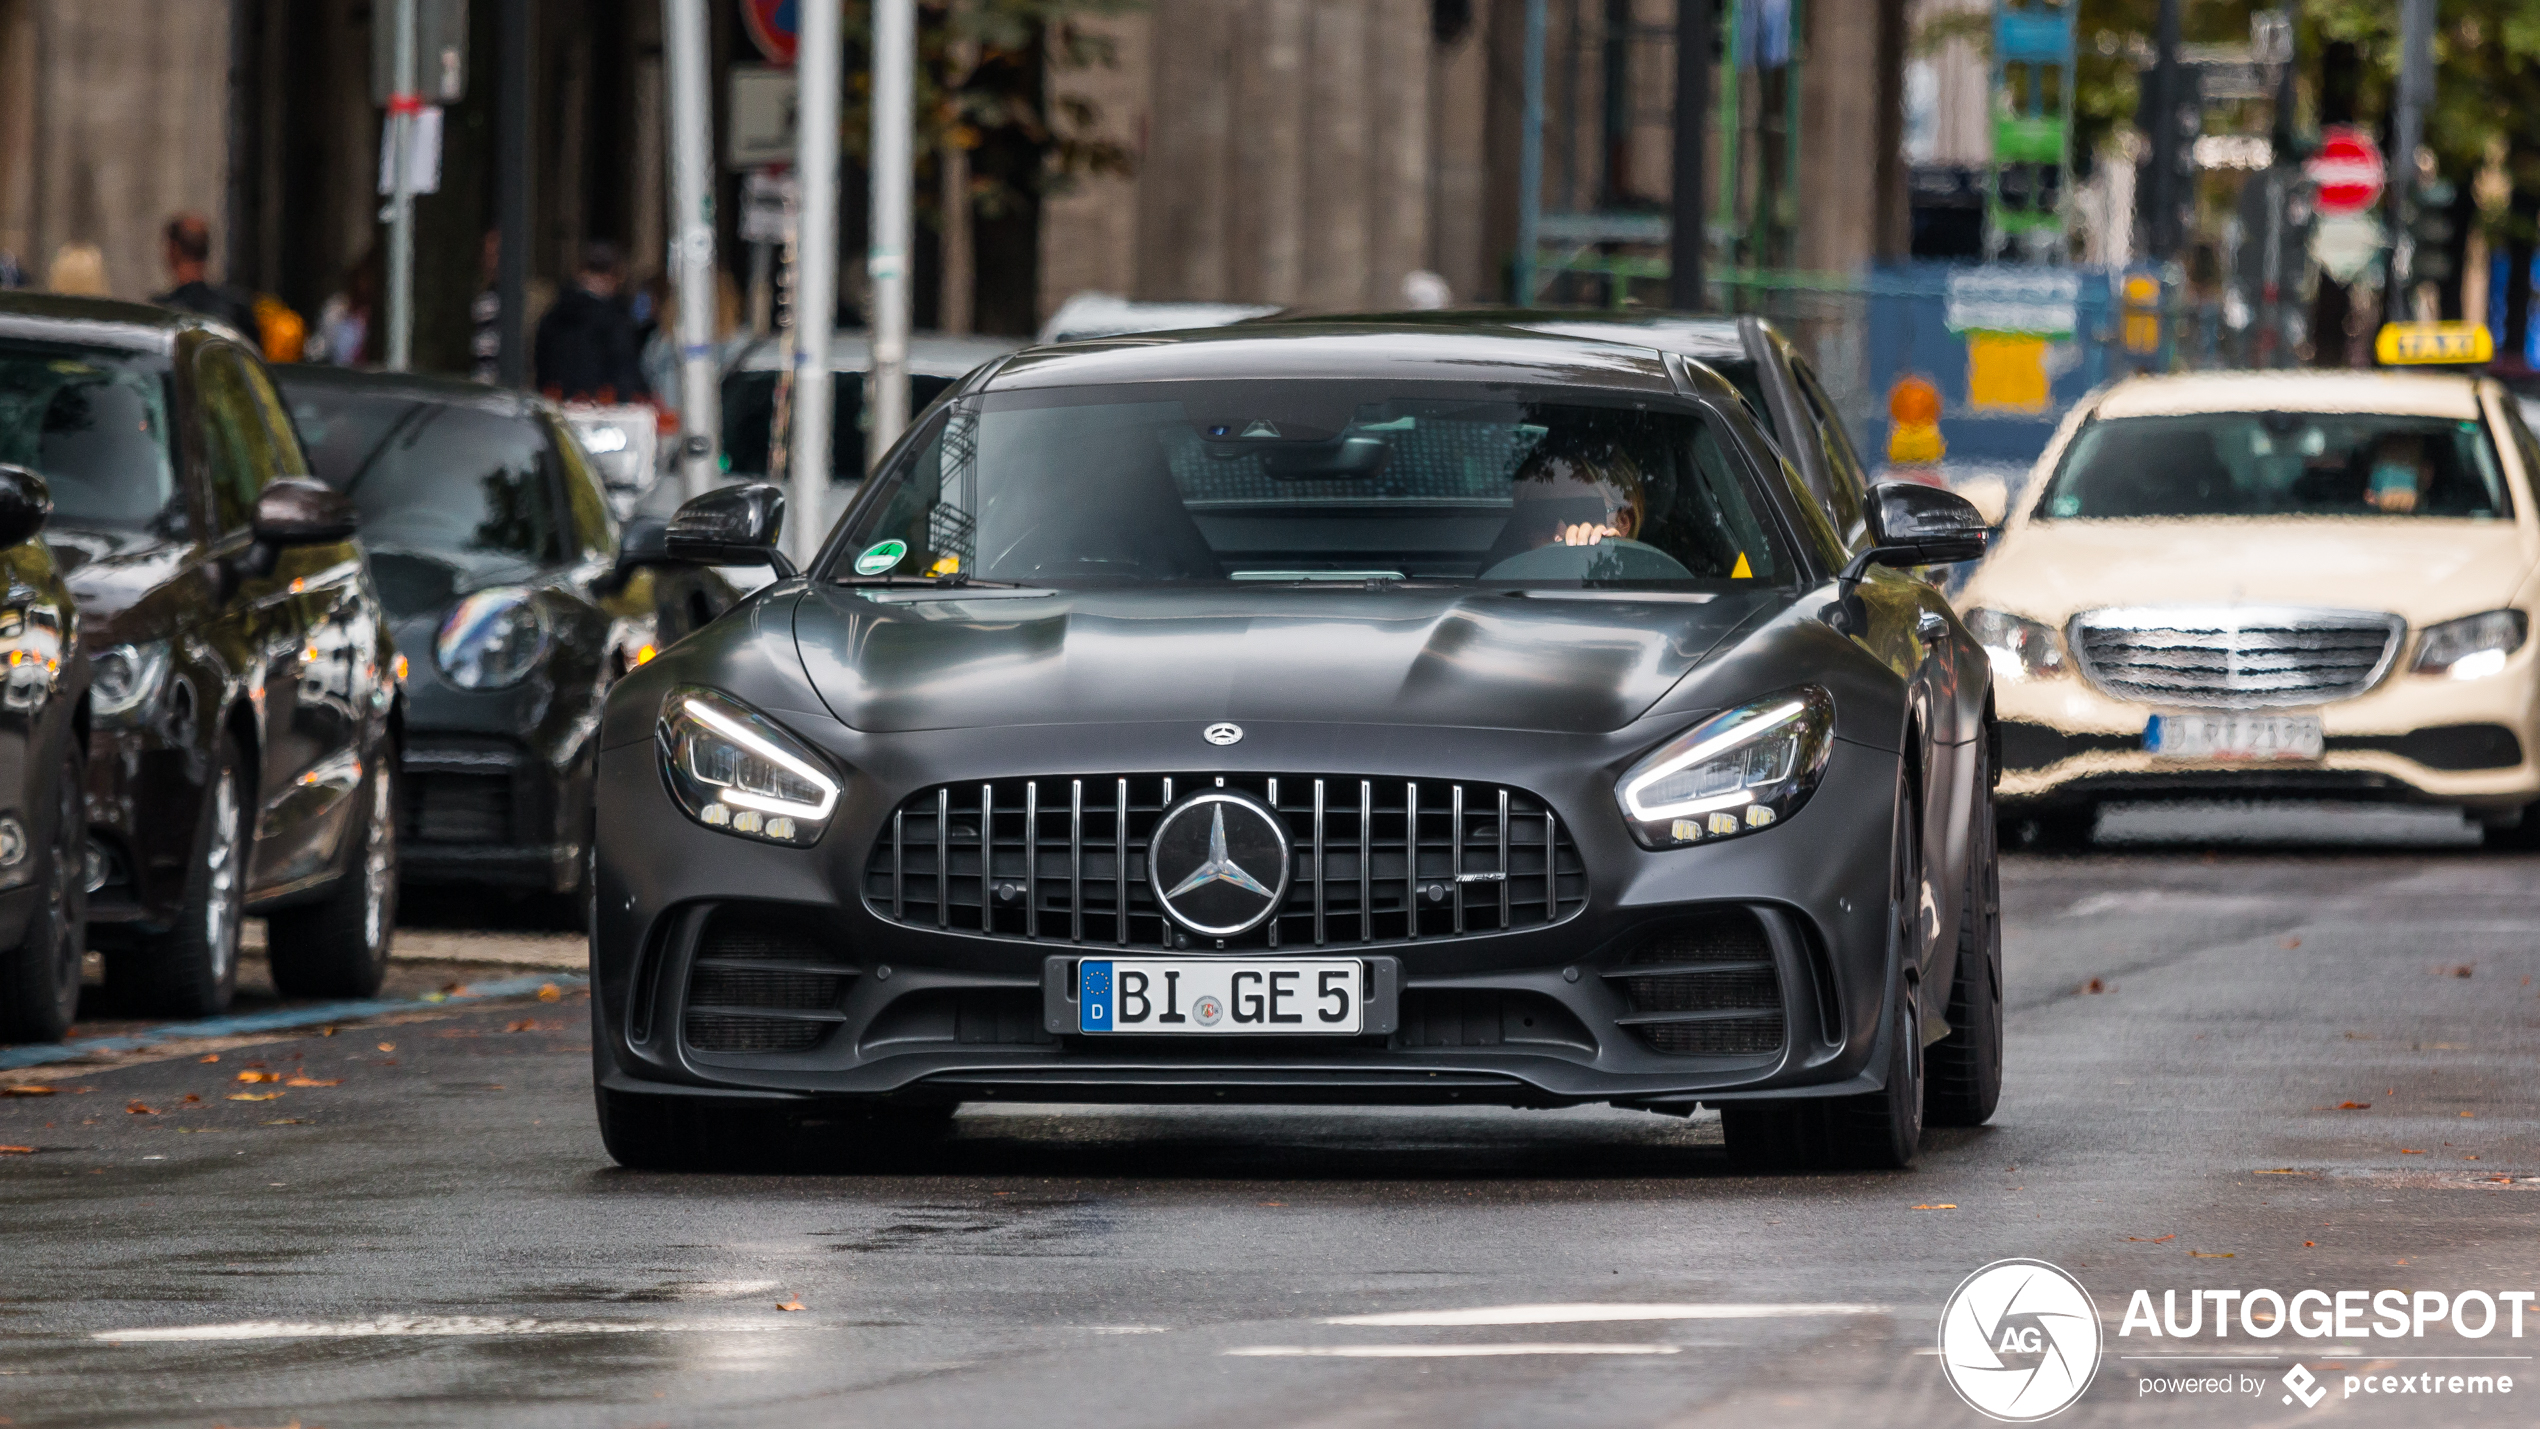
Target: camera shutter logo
2019	1340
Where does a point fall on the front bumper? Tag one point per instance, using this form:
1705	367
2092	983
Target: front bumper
487	810
2409	739
1536	1016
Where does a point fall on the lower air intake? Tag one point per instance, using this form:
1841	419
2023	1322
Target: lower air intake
765	980
1705	986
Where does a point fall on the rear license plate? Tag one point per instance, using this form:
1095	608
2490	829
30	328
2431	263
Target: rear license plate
2235	736
1326	996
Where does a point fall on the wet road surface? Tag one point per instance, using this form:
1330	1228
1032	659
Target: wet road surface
421	1227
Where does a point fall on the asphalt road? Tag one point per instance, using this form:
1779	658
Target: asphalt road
431	1234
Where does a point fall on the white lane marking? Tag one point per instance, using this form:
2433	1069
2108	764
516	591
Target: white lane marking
1441	1352
1592	1313
484	1325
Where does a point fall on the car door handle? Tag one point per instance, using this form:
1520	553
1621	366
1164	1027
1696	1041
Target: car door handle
1932	625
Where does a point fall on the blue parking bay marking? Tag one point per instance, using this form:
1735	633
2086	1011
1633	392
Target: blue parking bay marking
1093	996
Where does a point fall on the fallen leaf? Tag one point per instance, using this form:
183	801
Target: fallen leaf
2465	1114
137	1109
191	1097
308	1081
214	1057
2282	1171
791	1305
2094	985
287	1121
2410	1151
2292	942
1941	1206
549	992
2469	1158
2310	1242
2212	1254
454	989
326	1032
2354	1106
253	1096
2462	971
387	1046
524	1025
17	1151
260	1076
2153	1240
28	1089
1272	1203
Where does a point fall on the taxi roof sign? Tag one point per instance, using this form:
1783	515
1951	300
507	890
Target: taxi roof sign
2434	343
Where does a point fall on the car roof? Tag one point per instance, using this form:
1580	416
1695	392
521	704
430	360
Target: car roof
98	322
411	386
930	354
1709	337
2409	394
1405	351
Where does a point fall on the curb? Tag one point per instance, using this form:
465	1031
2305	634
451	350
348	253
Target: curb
281	1019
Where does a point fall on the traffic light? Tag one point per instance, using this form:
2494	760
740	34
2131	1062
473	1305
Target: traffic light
2431	232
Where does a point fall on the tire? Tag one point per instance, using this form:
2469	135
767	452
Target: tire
39	980
1965	1068
2520	837
339	947
2060	828
645	1132
192	970
1872	1131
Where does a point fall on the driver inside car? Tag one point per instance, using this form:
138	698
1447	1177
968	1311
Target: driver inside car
1576	506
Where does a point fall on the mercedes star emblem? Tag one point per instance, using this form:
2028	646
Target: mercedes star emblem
1223	733
1219	863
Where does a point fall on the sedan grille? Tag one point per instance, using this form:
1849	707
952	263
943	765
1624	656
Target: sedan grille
2229	656
764	980
1705	986
1377	860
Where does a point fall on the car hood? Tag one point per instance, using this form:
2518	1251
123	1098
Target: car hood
1439	657
2423	569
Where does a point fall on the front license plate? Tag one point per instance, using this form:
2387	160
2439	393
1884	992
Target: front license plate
1326	996
2234	736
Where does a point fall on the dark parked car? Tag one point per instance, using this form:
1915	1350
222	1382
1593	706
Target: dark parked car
43	706
242	755
490	539
1348	713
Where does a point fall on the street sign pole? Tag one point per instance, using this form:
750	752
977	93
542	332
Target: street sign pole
886	262
403	106
2407	130
817	61
692	239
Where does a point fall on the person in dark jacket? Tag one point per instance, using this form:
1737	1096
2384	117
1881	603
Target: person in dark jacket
189	258
587	349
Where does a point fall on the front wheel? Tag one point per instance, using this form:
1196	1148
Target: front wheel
1966	1066
339	947
39	980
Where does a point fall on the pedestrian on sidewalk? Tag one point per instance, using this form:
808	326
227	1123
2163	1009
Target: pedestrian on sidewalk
188	252
587	348
344	335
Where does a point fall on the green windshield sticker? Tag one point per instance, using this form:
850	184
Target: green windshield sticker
880	557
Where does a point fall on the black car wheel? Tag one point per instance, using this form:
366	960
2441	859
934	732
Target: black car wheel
339	947
192	971
1873	1131
1966	1066
39	982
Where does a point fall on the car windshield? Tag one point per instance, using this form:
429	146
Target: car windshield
1314	481
435	476
2279	464
93	422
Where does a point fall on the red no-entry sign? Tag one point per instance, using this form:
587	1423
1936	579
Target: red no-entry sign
772	25
2347	169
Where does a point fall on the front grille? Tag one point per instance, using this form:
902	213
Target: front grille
764	980
457	808
2231	656
1705	986
1377	860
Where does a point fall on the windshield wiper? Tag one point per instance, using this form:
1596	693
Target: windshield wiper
954	581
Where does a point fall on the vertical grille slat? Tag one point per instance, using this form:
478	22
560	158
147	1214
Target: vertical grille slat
2233	656
1400	874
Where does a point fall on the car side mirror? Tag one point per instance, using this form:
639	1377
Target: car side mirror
1916	525
25	503
302	511
735	526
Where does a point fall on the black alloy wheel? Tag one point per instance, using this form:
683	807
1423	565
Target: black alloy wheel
338	947
39	980
192	969
1966	1066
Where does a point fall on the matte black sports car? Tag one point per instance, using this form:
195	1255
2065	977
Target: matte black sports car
508	587
1349	713
243	703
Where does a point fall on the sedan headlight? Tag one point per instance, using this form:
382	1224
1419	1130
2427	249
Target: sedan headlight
492	639
124	681
2478	645
732	769
1733	773
2019	649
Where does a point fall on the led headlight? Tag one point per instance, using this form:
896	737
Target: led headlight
492	639
124	681
732	769
1732	774
2466	649
2019	649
